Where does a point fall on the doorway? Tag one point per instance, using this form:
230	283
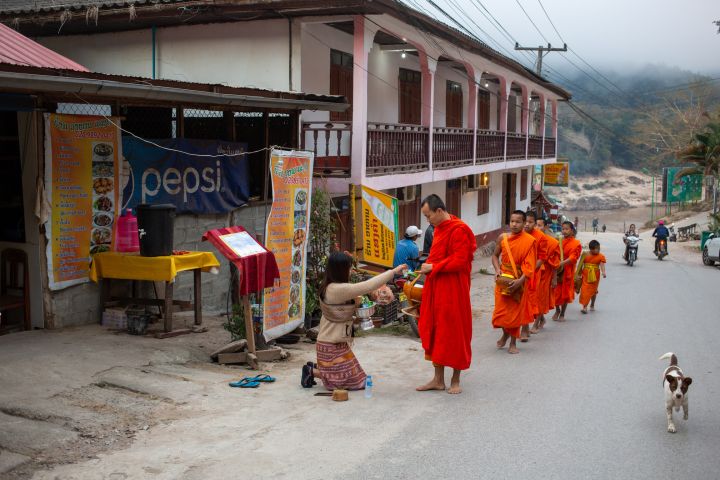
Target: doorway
453	196
509	193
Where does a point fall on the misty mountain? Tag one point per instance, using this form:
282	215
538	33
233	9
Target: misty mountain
602	124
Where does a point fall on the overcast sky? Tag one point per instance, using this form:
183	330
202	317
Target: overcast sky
609	34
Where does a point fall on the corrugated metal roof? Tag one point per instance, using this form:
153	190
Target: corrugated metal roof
27	6
17	49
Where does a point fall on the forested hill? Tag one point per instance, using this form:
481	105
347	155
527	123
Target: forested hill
633	120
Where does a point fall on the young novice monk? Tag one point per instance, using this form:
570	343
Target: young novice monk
593	265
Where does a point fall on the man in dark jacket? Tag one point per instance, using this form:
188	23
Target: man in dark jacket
660	233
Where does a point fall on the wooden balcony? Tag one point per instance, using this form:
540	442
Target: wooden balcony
535	146
549	151
452	147
515	146
395	148
332	144
490	146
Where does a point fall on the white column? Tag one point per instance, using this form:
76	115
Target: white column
362	44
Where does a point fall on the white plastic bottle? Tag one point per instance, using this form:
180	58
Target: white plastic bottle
368	386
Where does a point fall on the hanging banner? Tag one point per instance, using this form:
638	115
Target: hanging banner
686	188
556	174
81	172
379	220
287	236
194	184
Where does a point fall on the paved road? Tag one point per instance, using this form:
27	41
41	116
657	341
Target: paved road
583	399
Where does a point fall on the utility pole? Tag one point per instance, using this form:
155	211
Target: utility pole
541	51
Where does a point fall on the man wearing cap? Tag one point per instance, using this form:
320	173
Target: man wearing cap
407	251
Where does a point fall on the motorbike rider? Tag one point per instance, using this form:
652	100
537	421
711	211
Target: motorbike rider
660	233
631	232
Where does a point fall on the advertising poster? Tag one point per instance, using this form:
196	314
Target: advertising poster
81	168
194	184
687	188
379	221
556	174
287	237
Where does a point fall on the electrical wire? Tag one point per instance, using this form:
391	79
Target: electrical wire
175	150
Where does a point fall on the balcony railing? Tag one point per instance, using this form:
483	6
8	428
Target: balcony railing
535	146
332	144
549	151
452	147
396	148
515	146
490	146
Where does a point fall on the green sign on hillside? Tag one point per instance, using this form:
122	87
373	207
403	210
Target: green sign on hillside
681	189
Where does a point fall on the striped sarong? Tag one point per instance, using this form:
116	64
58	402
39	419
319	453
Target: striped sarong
338	366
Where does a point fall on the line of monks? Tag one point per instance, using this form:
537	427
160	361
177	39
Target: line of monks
535	273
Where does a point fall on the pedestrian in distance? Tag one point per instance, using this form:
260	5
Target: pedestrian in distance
595	223
604	228
445	312
593	264
337	367
515	261
570	251
548	278
407	251
534	282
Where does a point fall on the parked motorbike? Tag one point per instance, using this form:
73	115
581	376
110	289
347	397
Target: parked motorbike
662	249
632	249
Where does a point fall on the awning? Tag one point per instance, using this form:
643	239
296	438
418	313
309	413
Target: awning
97	87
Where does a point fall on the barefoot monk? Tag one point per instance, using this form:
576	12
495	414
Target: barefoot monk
570	251
548	278
445	312
533	283
513	308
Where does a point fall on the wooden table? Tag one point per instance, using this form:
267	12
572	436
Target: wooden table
110	266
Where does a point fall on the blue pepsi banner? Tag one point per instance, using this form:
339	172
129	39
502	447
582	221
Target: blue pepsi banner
194	184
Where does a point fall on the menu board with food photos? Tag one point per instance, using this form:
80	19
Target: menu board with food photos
81	174
287	236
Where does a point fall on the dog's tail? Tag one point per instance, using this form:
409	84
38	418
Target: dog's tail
671	356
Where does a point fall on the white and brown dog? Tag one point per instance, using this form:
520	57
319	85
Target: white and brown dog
676	387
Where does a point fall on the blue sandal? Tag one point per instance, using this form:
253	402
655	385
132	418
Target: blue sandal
262	378
245	383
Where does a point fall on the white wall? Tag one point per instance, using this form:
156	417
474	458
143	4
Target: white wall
317	40
244	54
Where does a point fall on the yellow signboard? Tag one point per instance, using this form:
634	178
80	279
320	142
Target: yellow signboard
556	174
379	221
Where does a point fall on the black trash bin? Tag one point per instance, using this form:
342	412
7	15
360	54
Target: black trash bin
155	229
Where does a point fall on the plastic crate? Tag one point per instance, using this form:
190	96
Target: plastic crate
389	312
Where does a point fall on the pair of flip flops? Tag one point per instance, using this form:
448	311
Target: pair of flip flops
252	382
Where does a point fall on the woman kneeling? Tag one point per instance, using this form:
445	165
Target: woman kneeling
336	365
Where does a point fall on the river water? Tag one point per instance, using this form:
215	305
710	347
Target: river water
615	220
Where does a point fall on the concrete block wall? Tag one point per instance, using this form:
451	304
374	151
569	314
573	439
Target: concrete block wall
80	305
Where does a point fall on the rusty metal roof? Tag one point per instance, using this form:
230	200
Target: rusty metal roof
17	49
26	6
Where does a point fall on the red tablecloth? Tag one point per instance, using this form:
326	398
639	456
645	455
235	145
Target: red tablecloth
257	272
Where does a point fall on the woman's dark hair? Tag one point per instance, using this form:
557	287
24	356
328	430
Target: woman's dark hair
594	244
336	271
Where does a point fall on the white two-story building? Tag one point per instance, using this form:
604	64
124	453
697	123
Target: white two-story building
433	110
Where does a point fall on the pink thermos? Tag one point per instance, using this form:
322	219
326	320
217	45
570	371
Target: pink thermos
127	239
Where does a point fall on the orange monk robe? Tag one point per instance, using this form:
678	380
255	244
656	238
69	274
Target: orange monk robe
509	314
533	283
445	312
565	290
547	294
588	288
